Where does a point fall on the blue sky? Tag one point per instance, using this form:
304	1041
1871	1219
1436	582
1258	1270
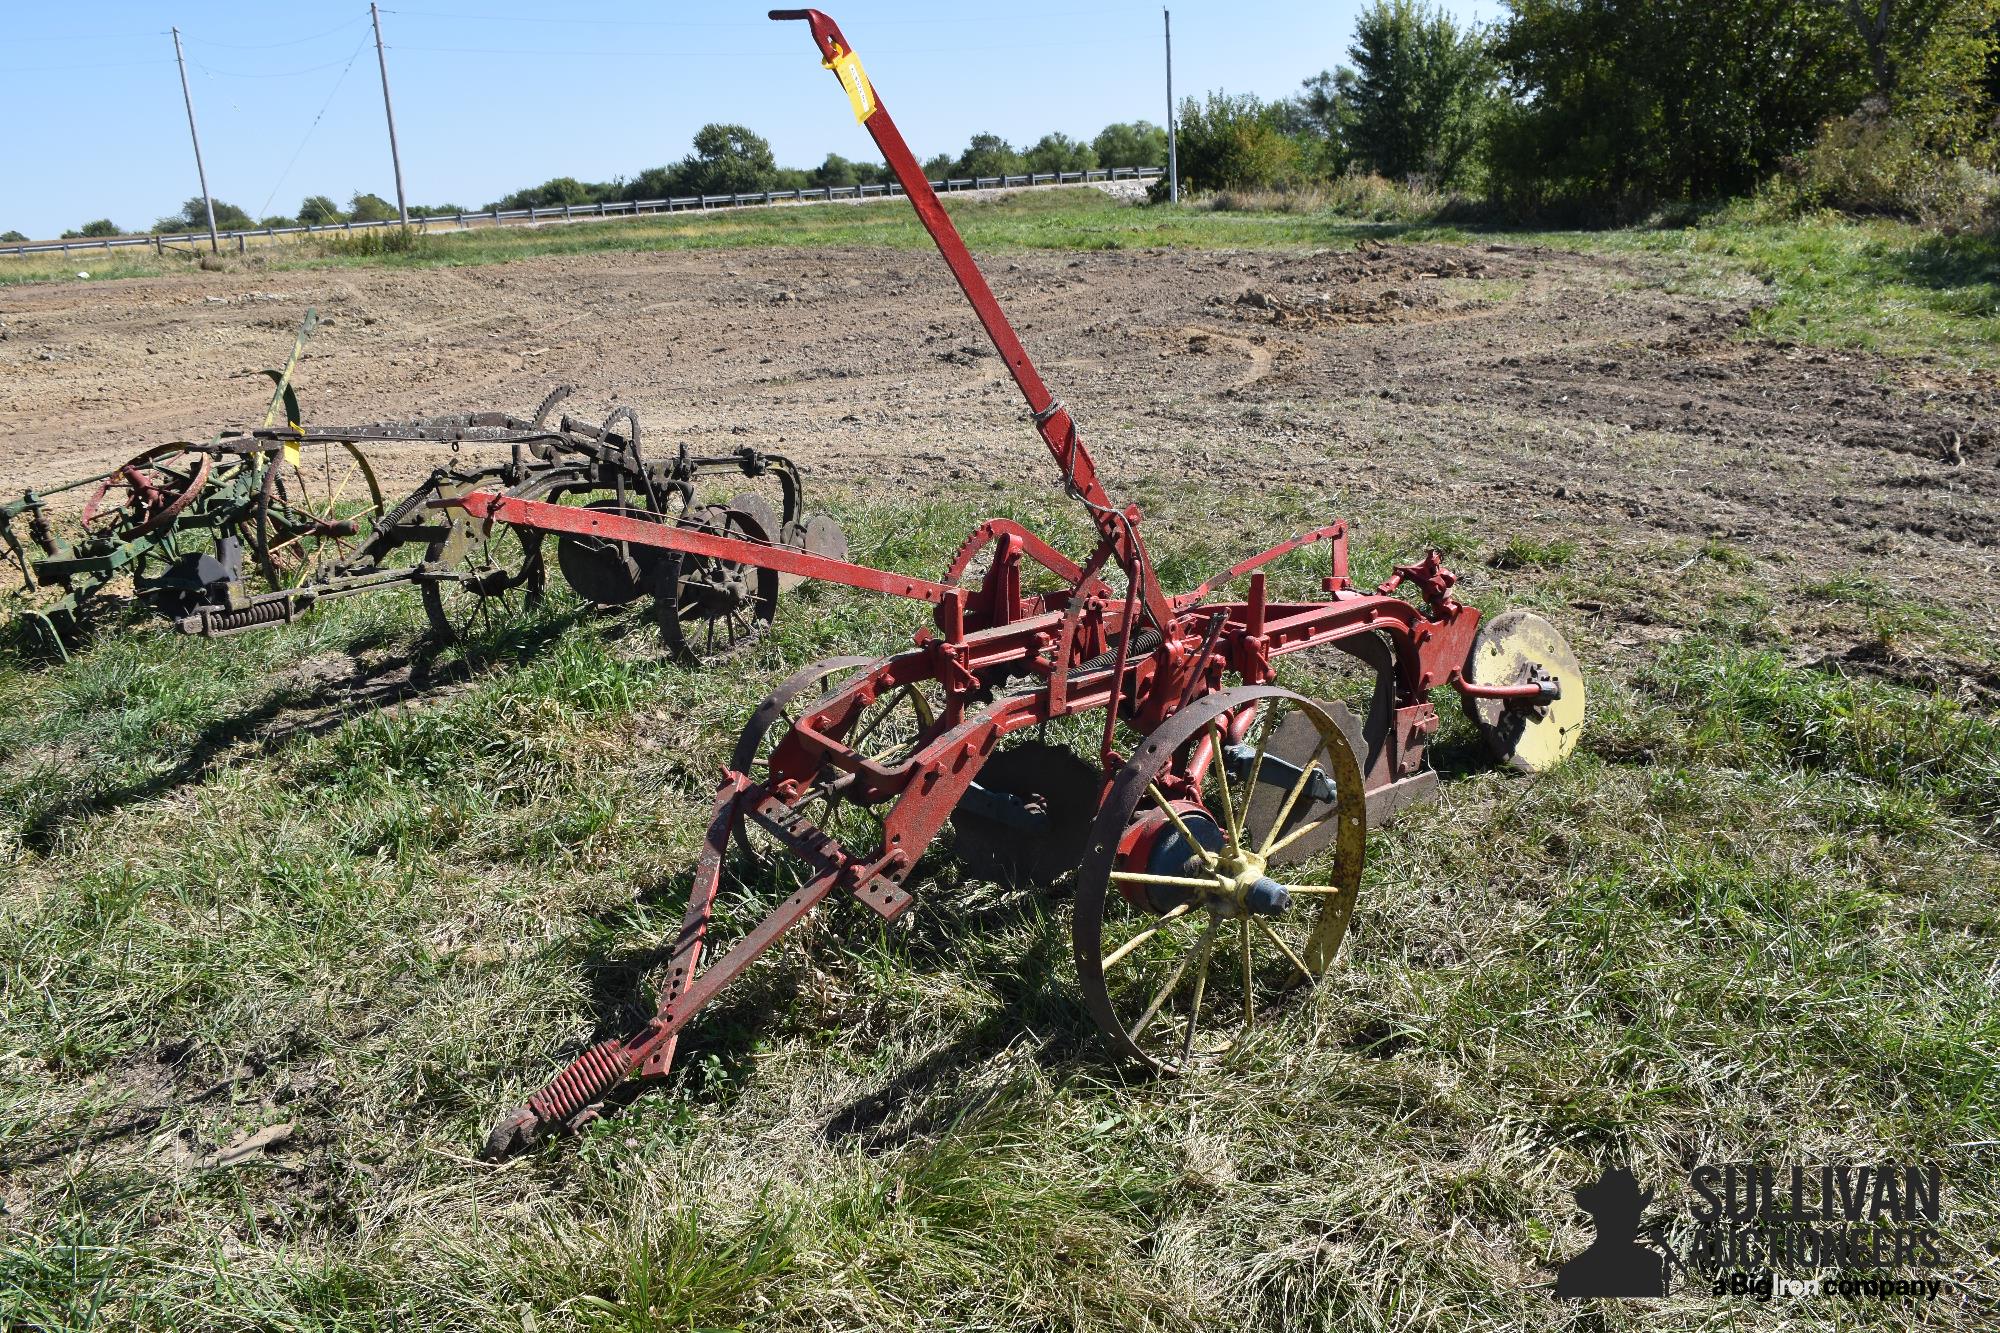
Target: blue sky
492	95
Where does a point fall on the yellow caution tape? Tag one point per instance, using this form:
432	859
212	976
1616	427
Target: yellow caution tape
847	67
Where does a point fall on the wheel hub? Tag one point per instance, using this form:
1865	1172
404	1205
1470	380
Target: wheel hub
1240	886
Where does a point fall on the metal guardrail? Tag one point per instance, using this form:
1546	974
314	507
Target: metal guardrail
588	212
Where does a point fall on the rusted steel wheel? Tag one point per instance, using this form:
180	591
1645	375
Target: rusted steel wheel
1183	941
322	506
772	719
885	731
149	492
609	573
481	573
710	609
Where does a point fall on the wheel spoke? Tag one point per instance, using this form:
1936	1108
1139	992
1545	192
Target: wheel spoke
1256	768
1328	889
1231	831
1291	799
1118	955
1207	857
1177	881
1249	995
1200	988
1296	834
888	707
1286	949
1173	981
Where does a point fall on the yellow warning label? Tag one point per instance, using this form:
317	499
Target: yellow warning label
860	95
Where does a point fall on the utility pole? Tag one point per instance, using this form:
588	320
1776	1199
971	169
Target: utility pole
1173	140
199	170
402	206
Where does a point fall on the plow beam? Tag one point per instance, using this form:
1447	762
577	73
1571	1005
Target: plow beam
544	517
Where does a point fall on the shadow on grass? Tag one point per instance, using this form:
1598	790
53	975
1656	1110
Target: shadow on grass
944	1087
713	1060
1965	268
283	718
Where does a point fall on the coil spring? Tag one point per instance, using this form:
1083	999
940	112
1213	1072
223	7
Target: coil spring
264	613
588	1078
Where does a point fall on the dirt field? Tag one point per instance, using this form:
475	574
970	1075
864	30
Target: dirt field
1507	388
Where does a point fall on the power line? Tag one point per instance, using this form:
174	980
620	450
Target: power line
749	55
53	69
279	74
293	161
984	19
272	46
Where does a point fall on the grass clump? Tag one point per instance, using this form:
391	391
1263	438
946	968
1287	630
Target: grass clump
1753	708
373	243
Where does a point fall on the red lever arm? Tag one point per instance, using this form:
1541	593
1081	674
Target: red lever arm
1119	528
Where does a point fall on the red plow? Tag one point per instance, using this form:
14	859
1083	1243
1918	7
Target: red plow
1216	856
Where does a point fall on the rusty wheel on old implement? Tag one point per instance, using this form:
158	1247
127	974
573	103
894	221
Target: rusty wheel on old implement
884	731
1184	942
477	571
149	492
321	504
773	719
708	609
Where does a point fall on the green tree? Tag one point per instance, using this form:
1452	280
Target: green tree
277	220
1321	118
989	155
97	230
1233	143
1136	143
1059	152
316	210
1633	100
555	193
364	207
193	217
1928	61
942	167
1416	102
652	183
727	159
12	236
837	170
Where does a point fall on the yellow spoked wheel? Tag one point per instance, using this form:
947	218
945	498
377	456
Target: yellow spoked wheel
317	509
1184	941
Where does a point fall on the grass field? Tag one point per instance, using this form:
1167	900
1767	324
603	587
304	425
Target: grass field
1751	920
1881	285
